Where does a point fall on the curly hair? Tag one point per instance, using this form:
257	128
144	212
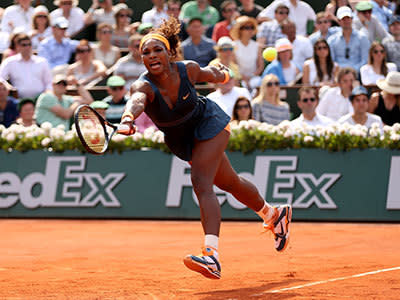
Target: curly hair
170	29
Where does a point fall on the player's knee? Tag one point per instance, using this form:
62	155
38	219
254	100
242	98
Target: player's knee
201	184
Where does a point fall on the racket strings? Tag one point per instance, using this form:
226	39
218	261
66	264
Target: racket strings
92	130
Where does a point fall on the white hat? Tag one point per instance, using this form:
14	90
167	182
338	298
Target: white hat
283	45
74	2
40	9
60	22
344	11
225	41
391	83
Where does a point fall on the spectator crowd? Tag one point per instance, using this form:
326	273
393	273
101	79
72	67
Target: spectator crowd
344	60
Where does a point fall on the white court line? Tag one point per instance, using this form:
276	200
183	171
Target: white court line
330	280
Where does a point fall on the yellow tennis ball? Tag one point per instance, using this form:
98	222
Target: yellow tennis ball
269	53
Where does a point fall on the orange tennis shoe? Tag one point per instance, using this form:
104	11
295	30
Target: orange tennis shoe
206	263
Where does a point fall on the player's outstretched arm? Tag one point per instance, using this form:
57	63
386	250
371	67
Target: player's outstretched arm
207	74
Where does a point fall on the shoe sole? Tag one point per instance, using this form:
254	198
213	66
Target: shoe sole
200	268
288	220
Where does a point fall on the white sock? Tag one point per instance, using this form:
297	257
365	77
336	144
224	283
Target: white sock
211	240
266	213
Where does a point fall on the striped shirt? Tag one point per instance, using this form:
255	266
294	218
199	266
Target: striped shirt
270	113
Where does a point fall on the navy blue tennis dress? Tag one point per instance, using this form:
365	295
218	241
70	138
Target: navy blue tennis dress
192	117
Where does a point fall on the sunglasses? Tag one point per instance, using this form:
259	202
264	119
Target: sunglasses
124	15
62	82
272	83
366	12
25	44
305	100
82	50
282	12
106	31
379	51
243	106
322	48
226	49
66	3
323	22
347	53
247	28
41	16
117	88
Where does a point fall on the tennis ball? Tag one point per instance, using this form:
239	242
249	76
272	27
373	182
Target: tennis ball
269	53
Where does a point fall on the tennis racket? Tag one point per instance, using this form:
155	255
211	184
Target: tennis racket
94	131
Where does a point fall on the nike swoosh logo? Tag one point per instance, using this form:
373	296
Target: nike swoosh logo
185	97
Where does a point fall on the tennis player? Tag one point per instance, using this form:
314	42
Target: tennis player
196	130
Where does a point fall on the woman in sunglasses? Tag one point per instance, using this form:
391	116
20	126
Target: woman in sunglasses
122	29
85	69
104	50
41	28
267	106
242	111
377	66
321	69
247	51
196	129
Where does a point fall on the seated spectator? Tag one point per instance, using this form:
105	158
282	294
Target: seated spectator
100	107
41	28
349	48
359	100
242	110
157	14
332	8
229	13
302	47
85	69
270	31
283	67
381	12
335	102
8	105
367	23
267	107
307	103
101	11
226	56
392	43
321	69
57	49
197	47
103	50
69	9
301	13
377	67
26	108
28	73
12	48
122	29
130	66
249	8
386	102
117	98
226	95
204	11
56	107
16	16
323	28
247	51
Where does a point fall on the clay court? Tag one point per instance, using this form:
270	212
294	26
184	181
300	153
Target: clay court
112	259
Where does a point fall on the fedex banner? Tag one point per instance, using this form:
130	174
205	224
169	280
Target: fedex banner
320	185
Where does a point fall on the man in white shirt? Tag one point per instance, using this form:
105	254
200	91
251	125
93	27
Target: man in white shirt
335	102
300	13
302	46
226	95
69	10
307	103
28	73
157	14
17	16
359	100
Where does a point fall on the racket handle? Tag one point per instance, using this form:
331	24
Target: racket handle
125	129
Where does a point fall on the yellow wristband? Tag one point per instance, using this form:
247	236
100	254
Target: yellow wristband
227	77
127	114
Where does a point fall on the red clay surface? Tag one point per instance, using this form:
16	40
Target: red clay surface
100	259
